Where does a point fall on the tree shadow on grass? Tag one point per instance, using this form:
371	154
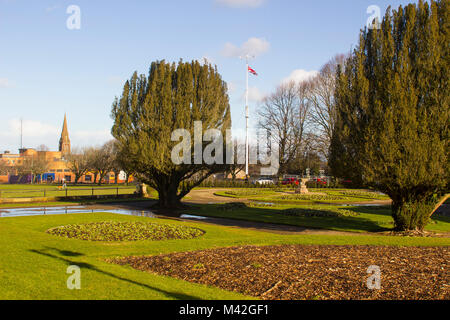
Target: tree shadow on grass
378	210
442	214
65	253
304	217
175	295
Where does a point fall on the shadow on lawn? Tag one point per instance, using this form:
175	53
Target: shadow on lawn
66	253
302	217
442	214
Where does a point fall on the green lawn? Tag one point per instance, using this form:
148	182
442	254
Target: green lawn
359	219
69	203
33	263
318	196
44	190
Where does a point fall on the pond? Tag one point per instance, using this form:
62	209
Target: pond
22	212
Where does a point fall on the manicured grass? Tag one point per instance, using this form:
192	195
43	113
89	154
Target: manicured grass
44	190
367	219
33	263
38	204
70	203
285	195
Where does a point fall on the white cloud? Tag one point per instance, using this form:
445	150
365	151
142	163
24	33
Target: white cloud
231	86
254	94
5	83
32	128
253	46
90	137
300	75
241	3
36	133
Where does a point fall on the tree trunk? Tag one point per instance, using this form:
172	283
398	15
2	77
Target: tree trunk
411	213
168	197
77	178
102	176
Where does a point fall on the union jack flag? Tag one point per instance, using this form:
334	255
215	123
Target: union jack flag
252	71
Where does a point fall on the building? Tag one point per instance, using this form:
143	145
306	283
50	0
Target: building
64	141
56	166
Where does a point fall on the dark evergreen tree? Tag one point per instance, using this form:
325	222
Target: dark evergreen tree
151	108
393	111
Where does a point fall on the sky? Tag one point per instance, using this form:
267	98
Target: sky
51	65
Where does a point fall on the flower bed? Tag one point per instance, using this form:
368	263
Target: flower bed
125	231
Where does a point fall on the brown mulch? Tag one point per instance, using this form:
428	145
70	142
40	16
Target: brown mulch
310	272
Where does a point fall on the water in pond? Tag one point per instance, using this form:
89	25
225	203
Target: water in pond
188	216
21	212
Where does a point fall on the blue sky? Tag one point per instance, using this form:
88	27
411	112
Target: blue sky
47	69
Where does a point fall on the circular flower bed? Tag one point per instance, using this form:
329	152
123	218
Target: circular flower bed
314	197
125	231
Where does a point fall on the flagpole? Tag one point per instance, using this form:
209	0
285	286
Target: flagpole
246	121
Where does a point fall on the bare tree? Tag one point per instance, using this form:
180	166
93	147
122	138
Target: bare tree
116	163
101	160
5	169
321	96
78	162
34	166
283	114
237	166
42	147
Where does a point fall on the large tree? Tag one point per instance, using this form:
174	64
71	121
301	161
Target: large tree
151	108
393	111
101	160
34	166
5	168
78	162
323	110
283	114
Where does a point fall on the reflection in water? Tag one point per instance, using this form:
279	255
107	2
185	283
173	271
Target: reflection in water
21	212
188	216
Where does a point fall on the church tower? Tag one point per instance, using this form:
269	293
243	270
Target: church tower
64	142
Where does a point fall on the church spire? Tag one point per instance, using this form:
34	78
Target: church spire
64	142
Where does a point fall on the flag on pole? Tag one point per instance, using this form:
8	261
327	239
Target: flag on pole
252	71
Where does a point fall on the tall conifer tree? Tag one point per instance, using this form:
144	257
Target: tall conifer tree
151	107
393	111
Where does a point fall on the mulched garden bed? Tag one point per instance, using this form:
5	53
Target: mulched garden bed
310	272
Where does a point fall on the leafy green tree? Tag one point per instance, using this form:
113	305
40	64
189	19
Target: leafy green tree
151	107
393	114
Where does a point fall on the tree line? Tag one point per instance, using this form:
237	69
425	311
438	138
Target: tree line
300	117
99	161
378	115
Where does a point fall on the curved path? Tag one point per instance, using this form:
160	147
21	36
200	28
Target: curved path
207	196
